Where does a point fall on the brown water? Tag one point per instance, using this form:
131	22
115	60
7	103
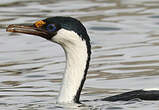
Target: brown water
125	43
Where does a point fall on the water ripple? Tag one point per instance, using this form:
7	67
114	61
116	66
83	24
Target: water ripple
124	37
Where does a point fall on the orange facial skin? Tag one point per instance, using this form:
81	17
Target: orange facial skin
39	23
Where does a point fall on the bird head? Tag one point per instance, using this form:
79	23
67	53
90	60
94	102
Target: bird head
57	29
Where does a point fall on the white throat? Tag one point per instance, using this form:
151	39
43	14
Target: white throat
76	56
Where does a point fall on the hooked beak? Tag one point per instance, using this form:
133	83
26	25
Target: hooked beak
28	29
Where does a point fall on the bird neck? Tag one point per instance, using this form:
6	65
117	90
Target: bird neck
77	63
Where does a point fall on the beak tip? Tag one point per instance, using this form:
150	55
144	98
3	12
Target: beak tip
8	29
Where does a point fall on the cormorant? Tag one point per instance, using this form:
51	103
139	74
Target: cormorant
72	36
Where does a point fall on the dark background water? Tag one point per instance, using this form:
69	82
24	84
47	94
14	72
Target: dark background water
125	42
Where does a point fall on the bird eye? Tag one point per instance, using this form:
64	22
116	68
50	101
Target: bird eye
51	27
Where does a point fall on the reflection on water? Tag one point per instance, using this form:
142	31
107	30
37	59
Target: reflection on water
124	36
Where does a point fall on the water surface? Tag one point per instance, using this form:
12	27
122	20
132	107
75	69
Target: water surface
125	42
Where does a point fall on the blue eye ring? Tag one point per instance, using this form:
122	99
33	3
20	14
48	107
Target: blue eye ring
51	27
